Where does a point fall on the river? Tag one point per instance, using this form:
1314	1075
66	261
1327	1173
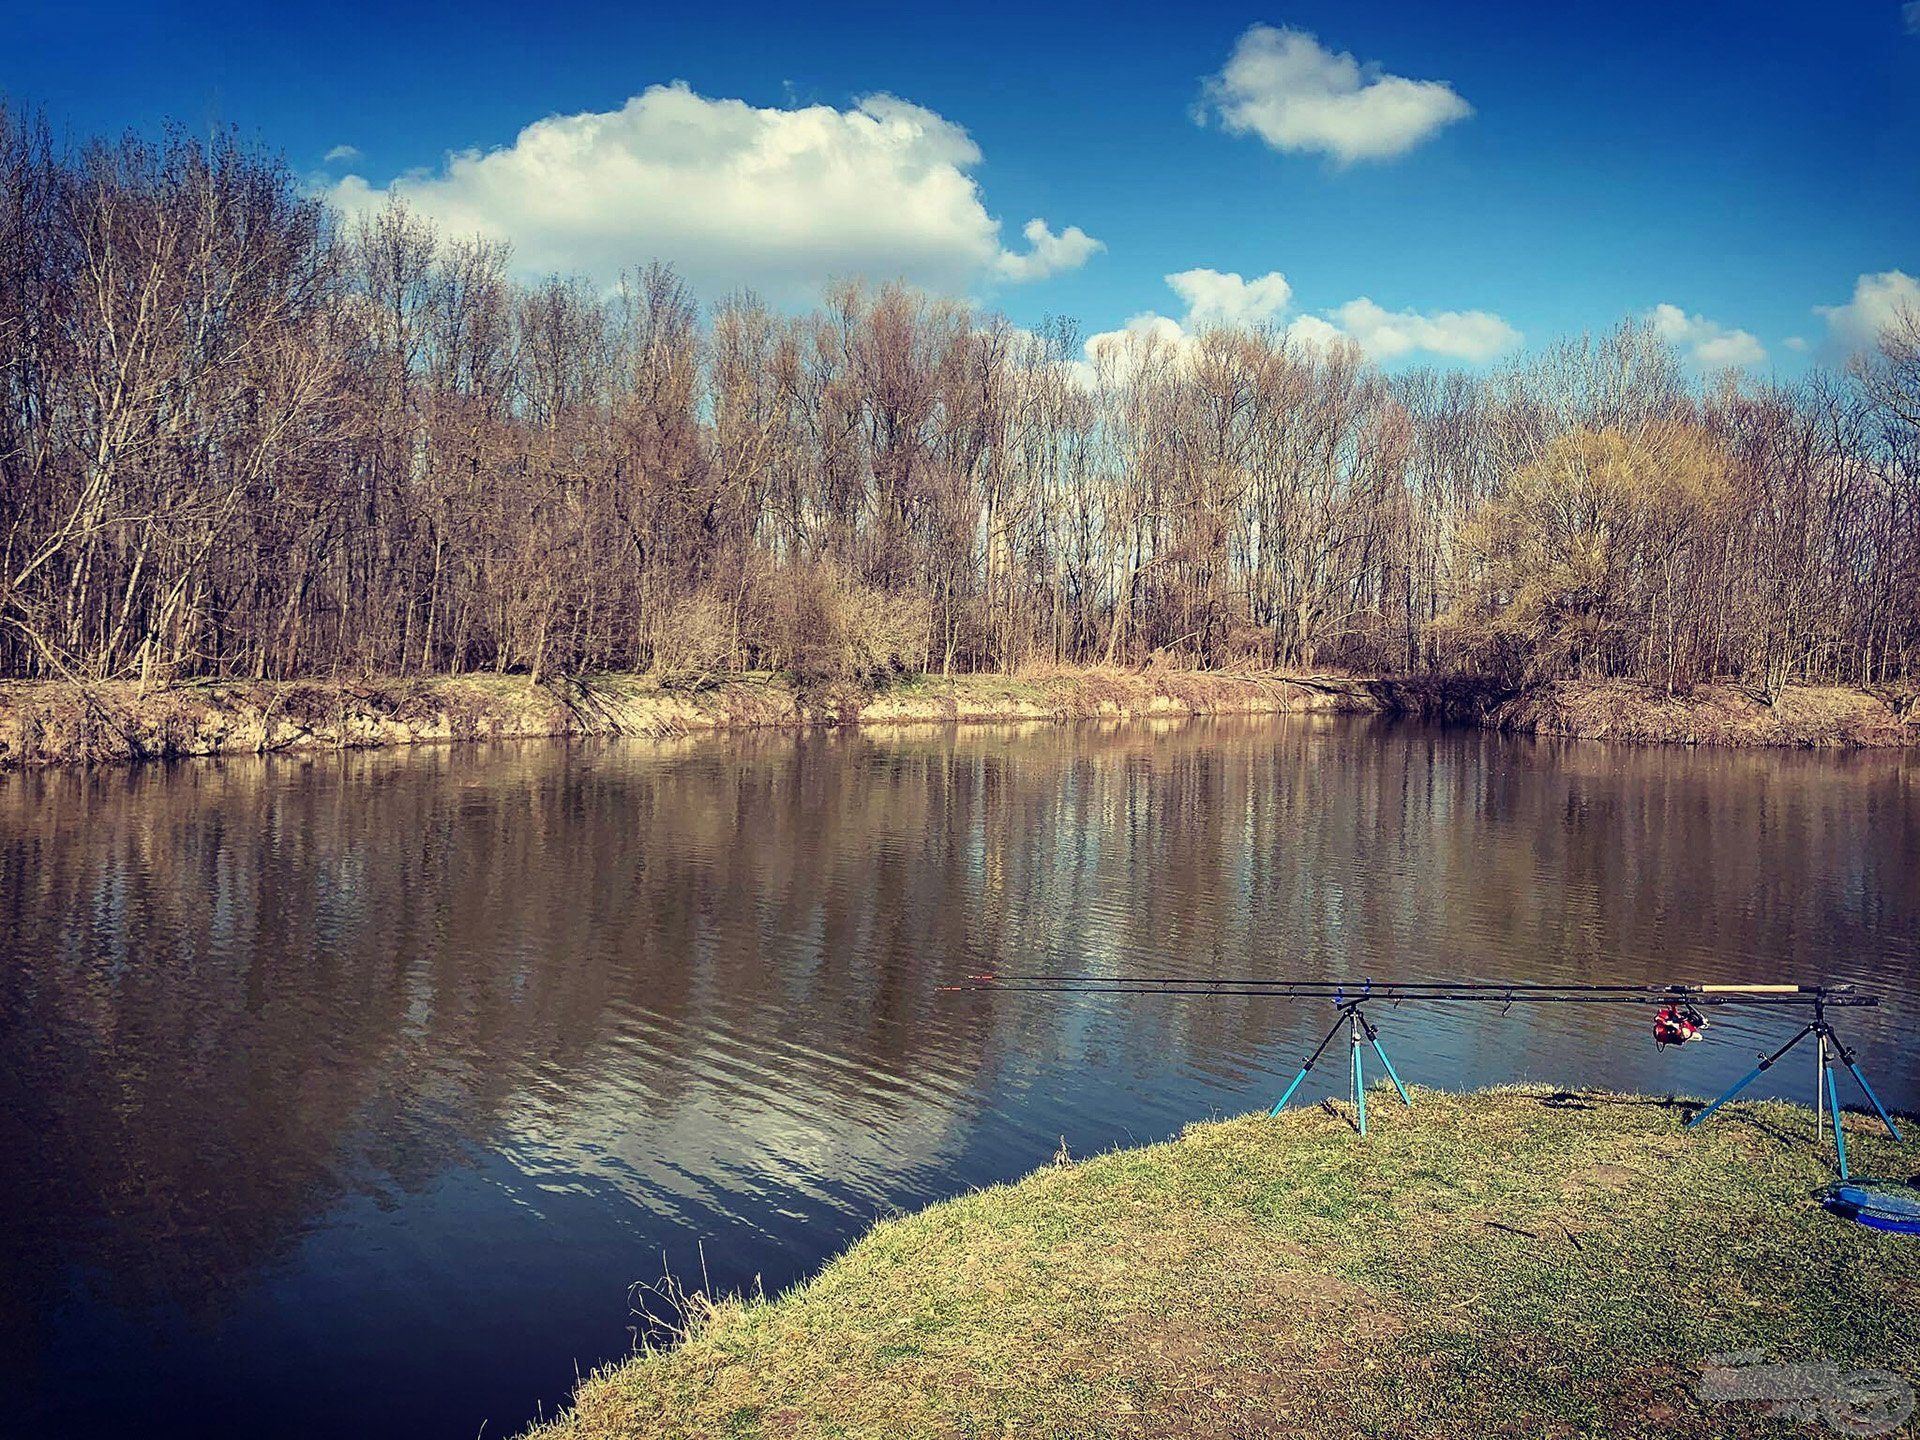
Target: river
355	1094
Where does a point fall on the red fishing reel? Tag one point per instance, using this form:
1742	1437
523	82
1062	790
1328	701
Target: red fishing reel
1677	1024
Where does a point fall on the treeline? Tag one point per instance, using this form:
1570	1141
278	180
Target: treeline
241	435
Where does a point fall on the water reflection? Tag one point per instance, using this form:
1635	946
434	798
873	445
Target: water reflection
351	1092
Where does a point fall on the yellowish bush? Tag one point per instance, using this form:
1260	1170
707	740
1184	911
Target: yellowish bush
1575	567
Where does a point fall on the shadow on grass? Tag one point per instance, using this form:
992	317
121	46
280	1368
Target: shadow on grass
1593	1100
1340	1111
1689	1109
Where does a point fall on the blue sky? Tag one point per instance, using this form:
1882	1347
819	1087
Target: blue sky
1743	163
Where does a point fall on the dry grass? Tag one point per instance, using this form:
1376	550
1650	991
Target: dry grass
1058	693
116	722
1507	1263
1807	716
113	723
46	723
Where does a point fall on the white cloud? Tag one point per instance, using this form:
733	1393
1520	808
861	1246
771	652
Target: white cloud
1910	13
1795	343
1707	343
1472	335
732	194
1214	298
1313	332
1145	330
341	154
1878	300
1119	353
1296	95
1048	253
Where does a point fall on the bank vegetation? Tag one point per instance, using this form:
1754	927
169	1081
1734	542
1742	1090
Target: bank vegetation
246	438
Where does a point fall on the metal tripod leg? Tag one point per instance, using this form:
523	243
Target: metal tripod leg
1373	1038
1826	1093
1359	1080
1833	1100
1307	1065
1846	1059
1766	1064
1360	1033
1822	1084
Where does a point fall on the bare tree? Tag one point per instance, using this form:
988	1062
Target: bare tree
240	435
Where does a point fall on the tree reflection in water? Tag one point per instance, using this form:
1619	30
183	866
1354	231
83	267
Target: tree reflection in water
352	1092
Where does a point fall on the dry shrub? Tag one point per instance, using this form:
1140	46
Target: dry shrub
691	634
824	627
884	632
1247	645
1088	693
1045	667
307	703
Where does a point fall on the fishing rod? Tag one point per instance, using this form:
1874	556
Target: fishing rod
1502	998
1395	992
1677	1019
1002	978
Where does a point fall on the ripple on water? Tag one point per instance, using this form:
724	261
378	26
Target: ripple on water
387	1075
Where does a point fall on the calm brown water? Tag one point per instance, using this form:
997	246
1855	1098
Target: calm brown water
350	1095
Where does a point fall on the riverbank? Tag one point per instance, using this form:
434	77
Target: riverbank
47	723
1804	716
1510	1262
57	723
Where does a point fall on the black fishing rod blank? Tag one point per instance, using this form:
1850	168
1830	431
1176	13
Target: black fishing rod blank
1531	991
1458	992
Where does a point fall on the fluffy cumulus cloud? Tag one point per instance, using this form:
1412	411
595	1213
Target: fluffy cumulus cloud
1216	298
1213	298
1316	333
1878	300
1048	253
1287	88
1707	343
1472	335
1144	334
732	194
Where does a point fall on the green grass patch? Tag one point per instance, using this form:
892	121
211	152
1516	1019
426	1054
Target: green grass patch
1512	1262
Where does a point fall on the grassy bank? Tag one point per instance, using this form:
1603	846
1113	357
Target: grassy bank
1810	716
53	723
1514	1262
47	723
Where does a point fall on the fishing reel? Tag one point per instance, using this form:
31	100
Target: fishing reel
1677	1024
